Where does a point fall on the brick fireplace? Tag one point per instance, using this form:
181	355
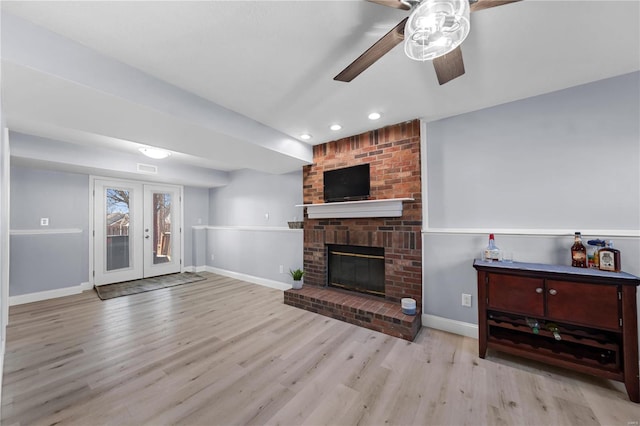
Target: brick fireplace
393	153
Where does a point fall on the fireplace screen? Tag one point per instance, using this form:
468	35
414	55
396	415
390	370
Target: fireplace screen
357	268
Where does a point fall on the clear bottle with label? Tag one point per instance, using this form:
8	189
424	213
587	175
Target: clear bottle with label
609	258
492	252
578	252
553	328
592	257
534	325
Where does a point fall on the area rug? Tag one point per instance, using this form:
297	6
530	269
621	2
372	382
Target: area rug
126	288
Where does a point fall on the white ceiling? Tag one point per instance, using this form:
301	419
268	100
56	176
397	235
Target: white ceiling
273	62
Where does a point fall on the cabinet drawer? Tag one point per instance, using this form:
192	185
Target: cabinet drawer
516	294
588	304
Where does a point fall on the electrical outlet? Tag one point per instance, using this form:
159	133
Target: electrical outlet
44	221
466	300
282	269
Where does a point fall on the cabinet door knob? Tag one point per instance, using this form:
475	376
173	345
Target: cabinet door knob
539	290
553	292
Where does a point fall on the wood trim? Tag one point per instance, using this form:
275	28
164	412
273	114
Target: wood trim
451	326
252	228
48	294
47	231
631	233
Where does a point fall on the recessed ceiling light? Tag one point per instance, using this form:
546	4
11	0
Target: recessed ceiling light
155	153
305	136
335	127
374	116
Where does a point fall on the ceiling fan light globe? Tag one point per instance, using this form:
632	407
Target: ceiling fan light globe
435	28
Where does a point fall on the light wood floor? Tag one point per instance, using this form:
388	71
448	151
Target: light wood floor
224	352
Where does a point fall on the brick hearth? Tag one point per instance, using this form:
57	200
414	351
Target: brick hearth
394	157
366	311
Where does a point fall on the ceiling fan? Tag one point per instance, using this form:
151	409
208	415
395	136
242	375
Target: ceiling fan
433	31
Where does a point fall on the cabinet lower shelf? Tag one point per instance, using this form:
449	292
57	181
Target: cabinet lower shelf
564	353
569	333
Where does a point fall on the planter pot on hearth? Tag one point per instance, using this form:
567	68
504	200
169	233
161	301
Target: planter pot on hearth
297	276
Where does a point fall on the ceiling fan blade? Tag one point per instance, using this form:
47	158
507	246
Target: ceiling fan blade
396	4
486	4
375	52
449	66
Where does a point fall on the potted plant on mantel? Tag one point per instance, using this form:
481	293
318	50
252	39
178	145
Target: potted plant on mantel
297	278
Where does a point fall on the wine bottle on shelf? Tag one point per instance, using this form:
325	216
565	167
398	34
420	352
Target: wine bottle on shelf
578	252
554	329
533	323
492	252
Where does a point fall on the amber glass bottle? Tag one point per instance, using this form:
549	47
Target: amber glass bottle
578	252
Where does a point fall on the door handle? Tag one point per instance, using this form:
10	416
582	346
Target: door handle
539	290
553	292
146	236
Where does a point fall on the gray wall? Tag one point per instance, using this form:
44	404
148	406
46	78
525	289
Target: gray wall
246	241
531	168
567	159
256	252
250	195
50	261
4	231
196	214
44	262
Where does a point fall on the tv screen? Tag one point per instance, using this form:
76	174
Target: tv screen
348	184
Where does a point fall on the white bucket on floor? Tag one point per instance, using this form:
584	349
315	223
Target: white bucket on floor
408	306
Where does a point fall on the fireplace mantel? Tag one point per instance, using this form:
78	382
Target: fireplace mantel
391	207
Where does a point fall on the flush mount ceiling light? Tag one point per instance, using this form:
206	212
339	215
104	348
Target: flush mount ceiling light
155	153
305	136
435	28
374	116
335	127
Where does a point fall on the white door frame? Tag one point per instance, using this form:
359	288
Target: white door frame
150	268
135	248
92	179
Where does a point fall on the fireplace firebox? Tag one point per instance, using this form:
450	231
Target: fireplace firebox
356	268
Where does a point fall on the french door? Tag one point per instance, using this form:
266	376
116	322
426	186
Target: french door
137	230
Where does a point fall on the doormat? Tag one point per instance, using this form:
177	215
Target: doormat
126	288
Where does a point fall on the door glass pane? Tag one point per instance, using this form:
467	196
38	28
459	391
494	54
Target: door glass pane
117	223
161	228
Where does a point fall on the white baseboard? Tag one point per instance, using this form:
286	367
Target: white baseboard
451	326
2	348
49	294
196	269
249	278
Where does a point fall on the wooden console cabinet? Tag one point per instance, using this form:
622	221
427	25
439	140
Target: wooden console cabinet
594	311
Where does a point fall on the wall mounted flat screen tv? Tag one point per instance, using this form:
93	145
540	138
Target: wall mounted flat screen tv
348	184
